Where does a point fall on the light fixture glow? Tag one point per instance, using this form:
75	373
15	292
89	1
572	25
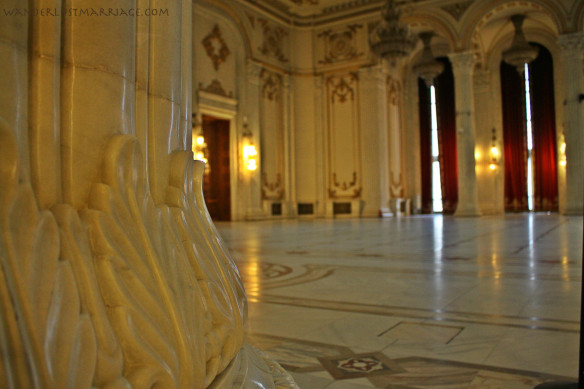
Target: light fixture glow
200	140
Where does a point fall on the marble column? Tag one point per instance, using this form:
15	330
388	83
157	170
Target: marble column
394	104
374	159
254	209
463	66
289	204
112	274
571	88
319	128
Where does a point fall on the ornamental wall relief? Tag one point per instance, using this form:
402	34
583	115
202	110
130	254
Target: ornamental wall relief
343	136
340	45
273	41
215	47
272	135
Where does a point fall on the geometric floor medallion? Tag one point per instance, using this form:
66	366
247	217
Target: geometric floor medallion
359	365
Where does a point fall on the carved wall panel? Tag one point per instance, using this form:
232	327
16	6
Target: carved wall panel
215	47
217	53
274	41
340	45
272	135
343	133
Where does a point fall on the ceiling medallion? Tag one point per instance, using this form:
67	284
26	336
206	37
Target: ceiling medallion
391	39
427	67
520	52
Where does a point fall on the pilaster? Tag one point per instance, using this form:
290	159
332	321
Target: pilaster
254	209
571	89
374	155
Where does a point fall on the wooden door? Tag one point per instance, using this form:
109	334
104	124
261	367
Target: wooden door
217	178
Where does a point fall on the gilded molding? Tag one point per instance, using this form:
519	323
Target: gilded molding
215	47
272	190
273	38
393	90
271	85
344	186
341	87
216	88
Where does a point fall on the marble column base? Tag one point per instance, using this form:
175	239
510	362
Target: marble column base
250	367
468	212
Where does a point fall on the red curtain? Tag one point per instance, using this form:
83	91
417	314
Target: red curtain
513	102
425	144
446	116
544	132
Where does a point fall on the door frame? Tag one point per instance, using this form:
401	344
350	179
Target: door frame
225	108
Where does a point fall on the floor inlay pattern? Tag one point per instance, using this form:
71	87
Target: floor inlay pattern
414	302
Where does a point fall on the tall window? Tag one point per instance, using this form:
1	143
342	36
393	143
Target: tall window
436	180
529	136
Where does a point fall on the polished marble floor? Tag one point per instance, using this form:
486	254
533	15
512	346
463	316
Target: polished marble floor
414	302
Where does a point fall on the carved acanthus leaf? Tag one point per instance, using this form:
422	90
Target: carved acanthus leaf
50	338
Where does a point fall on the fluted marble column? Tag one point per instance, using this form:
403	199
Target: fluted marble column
374	141
462	66
254	204
571	88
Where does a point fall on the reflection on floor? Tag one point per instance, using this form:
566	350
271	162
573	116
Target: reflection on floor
416	302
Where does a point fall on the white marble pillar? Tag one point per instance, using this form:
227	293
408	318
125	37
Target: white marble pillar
289	203
394	104
462	66
374	159
571	87
254	209
319	128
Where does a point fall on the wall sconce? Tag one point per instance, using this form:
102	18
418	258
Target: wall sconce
494	152
199	146
563	160
249	151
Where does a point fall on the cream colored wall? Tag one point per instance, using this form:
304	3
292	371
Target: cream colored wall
338	138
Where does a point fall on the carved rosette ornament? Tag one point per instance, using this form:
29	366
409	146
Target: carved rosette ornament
340	45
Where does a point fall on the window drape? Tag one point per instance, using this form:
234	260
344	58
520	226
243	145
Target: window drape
446	116
425	144
514	139
544	132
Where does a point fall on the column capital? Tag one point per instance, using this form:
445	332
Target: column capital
254	71
372	73
318	81
573	42
462	61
